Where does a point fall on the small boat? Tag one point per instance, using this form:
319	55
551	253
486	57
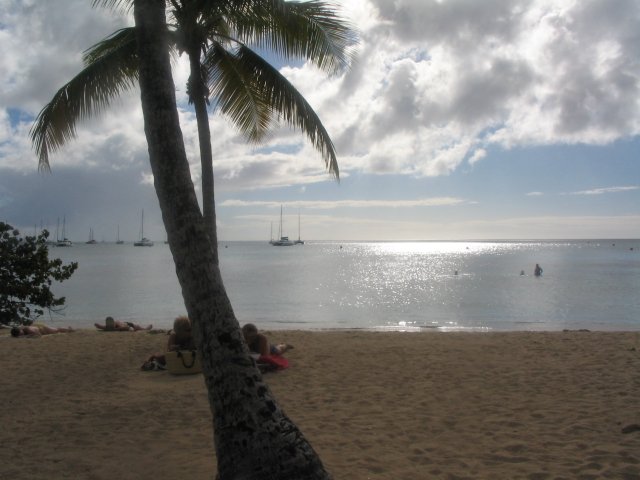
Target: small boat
284	241
144	241
91	239
64	241
118	241
298	241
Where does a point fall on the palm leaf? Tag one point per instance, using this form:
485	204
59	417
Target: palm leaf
111	67
123	6
231	85
254	94
310	30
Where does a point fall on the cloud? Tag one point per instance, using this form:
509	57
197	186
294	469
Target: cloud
437	87
602	191
335	204
434	85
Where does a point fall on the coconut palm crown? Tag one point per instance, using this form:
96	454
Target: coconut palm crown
218	37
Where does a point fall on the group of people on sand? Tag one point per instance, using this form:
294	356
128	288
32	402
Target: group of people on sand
180	338
110	325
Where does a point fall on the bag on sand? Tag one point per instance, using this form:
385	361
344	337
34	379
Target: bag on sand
183	362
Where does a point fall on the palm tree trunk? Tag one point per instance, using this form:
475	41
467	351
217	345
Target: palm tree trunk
254	439
197	94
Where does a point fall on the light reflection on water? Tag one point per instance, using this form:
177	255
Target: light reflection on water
409	286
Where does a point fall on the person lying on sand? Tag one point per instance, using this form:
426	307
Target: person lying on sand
111	325
37	330
180	339
258	343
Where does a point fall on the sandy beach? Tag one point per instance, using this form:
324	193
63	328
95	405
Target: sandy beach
374	405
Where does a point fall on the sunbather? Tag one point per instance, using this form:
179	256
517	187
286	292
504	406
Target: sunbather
111	325
37	330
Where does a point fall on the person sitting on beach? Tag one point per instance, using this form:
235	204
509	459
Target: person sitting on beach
37	330
179	339
111	325
259	344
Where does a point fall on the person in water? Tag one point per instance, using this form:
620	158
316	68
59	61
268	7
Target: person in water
537	271
258	343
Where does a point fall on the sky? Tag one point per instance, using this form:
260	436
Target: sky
457	120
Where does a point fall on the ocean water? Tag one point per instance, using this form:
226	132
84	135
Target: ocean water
413	286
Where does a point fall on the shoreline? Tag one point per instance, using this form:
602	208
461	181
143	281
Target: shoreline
374	405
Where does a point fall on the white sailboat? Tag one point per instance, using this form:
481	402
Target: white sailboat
118	241
298	241
64	241
144	241
284	241
91	239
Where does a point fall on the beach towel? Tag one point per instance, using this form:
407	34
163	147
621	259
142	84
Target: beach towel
269	363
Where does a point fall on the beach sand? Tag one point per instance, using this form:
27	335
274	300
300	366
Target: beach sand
373	405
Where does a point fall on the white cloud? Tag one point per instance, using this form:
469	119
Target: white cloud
434	84
602	191
336	204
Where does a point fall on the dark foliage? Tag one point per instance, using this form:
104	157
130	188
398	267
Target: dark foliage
26	275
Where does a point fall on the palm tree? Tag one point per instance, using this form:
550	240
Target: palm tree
254	438
246	88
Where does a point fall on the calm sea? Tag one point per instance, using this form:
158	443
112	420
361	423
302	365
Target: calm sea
372	285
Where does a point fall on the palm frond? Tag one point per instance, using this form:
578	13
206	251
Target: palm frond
232	87
311	30
111	67
123	6
265	96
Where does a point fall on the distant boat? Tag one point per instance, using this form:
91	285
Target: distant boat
64	241
144	241
118	241
284	241
91	239
298	241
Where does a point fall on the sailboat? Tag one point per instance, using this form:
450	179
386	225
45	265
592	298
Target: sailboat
271	240
284	241
144	241
298	241
118	241
64	242
91	239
